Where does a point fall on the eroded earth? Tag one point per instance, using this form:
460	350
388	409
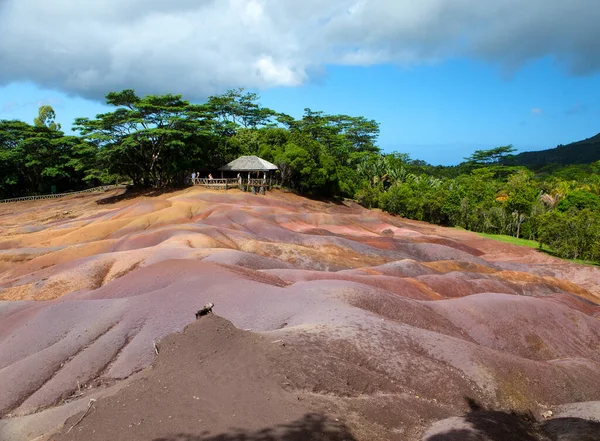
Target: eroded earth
386	326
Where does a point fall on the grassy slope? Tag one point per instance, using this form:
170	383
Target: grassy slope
530	244
513	240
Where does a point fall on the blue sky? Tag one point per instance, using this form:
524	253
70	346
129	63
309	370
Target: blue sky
443	78
438	113
442	113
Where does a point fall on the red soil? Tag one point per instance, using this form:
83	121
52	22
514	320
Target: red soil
388	324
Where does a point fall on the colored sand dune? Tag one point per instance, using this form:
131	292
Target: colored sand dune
389	322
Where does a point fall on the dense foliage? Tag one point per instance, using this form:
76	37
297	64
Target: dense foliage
561	210
161	140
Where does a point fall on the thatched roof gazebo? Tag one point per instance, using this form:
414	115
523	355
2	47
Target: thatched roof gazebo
251	164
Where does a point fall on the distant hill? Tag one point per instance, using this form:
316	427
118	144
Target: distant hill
581	152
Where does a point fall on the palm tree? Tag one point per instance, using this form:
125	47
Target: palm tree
550	201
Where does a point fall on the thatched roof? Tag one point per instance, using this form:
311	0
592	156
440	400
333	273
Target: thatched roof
249	163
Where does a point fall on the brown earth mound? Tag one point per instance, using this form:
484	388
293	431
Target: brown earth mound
213	382
390	324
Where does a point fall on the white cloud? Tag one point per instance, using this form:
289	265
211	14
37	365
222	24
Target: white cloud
537	111
278	74
199	47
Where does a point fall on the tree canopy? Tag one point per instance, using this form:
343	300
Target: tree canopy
492	156
46	118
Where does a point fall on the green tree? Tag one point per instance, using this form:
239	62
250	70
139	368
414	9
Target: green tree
236	109
12	135
34	158
574	234
145	138
340	135
580	200
489	157
46	118
297	166
522	194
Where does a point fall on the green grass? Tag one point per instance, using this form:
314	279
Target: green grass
513	240
532	244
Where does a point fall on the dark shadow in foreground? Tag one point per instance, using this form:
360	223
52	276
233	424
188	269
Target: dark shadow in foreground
311	427
489	425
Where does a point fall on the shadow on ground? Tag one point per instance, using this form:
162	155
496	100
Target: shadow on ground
132	193
488	425
311	427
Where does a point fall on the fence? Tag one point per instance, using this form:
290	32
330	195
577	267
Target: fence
253	185
217	183
60	195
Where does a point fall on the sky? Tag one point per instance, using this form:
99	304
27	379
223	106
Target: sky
442	77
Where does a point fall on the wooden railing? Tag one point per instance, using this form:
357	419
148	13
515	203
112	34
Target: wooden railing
248	184
60	195
217	183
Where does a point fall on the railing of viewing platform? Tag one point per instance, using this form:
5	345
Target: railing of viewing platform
206	182
216	182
